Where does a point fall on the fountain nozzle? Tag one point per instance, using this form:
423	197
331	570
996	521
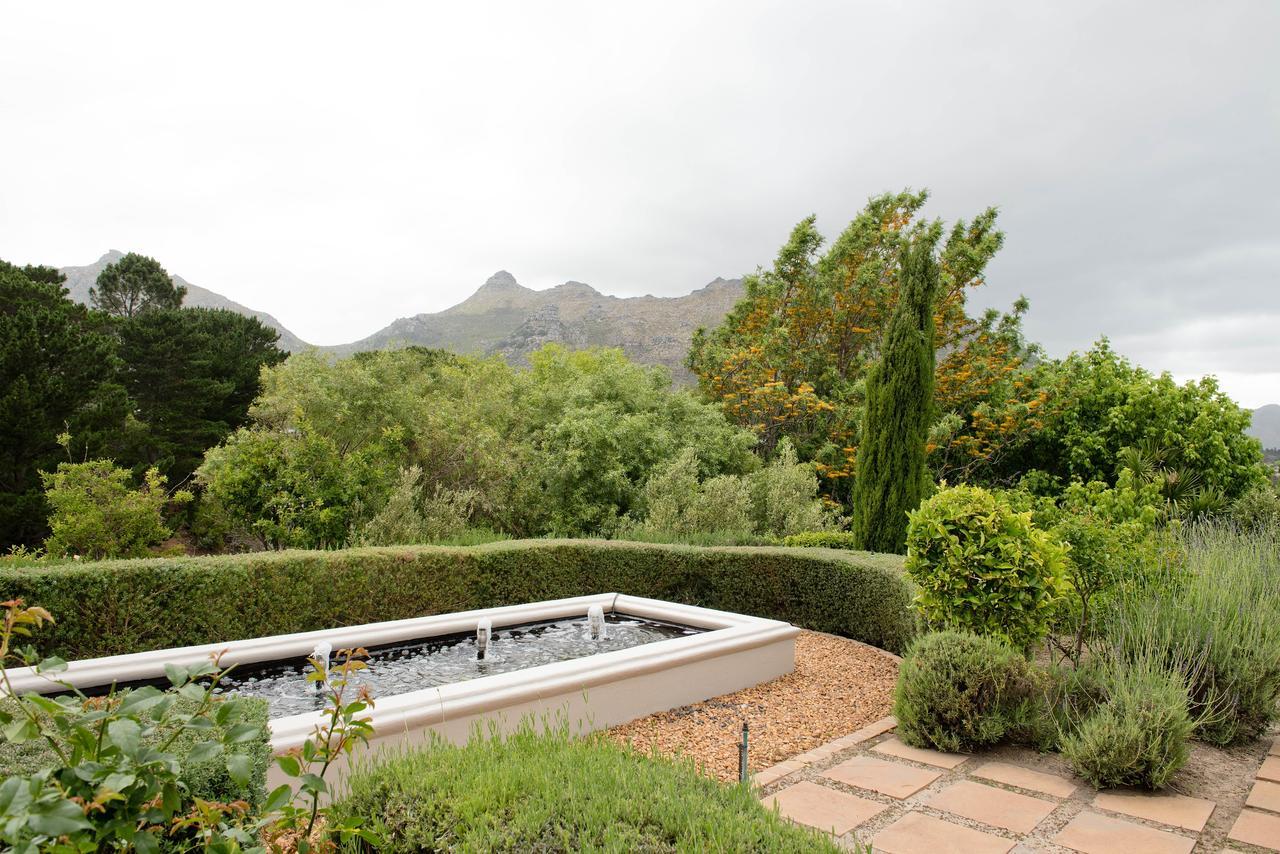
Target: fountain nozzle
321	654
484	633
595	620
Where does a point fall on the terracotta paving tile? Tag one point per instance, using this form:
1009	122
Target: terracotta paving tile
1025	778
896	747
871	730
1093	833
996	807
1270	769
1275	746
887	778
1265	795
1166	808
1257	828
917	833
823	808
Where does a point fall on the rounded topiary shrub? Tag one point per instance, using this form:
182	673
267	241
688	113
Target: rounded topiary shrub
958	692
1138	736
979	565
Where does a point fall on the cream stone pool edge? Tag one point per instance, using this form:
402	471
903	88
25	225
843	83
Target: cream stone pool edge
592	692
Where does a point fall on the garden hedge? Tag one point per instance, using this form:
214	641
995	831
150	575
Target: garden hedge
114	607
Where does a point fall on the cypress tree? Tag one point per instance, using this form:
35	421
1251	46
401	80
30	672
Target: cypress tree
891	477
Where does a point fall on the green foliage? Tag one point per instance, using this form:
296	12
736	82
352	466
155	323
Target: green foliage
772	502
206	778
191	375
1138	735
289	489
1213	621
97	514
1258	509
130	770
822	540
116	780
411	515
1103	405
980	566
551	792
892	478
192	600
565	447
57	370
133	285
958	691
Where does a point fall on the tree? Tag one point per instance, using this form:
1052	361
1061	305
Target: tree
133	285
192	374
57	370
892	476
1109	414
96	514
791	358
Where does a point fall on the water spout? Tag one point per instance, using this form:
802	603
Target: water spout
595	619
484	633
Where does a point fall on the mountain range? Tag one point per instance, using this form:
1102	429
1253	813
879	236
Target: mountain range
503	317
508	319
1266	425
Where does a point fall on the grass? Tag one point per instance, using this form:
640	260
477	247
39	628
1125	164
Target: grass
542	790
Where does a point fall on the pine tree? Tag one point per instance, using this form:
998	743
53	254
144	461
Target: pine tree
135	284
891	474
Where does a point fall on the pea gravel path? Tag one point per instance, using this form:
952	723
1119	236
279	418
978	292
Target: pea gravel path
838	686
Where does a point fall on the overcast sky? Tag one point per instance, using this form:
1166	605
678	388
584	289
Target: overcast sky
340	165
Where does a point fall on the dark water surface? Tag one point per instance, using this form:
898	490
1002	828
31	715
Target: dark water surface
410	665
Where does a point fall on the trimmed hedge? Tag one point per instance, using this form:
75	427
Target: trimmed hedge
115	607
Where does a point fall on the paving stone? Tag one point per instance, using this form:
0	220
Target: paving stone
896	747
1094	833
871	730
1025	778
1275	746
996	807
887	778
823	808
1265	795
1270	769
1257	828
1166	808
917	833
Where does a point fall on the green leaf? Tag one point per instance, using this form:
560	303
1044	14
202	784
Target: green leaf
240	767
59	819
279	797
20	731
204	751
289	765
126	734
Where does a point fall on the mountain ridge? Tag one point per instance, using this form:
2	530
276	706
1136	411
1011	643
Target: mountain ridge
505	318
1265	425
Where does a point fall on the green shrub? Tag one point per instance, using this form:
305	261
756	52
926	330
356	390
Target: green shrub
822	540
958	691
96	514
131	606
982	567
1138	735
207	779
549	792
1215	621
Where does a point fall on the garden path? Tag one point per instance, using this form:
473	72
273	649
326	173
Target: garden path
869	787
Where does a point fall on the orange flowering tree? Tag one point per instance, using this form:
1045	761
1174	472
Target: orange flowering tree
791	358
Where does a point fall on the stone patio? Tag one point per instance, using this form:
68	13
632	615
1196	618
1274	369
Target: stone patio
870	788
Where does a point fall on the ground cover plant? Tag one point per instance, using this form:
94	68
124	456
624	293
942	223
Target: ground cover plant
539	790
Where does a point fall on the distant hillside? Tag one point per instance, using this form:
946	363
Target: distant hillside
81	279
1266	425
506	318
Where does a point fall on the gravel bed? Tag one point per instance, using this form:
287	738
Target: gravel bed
838	686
